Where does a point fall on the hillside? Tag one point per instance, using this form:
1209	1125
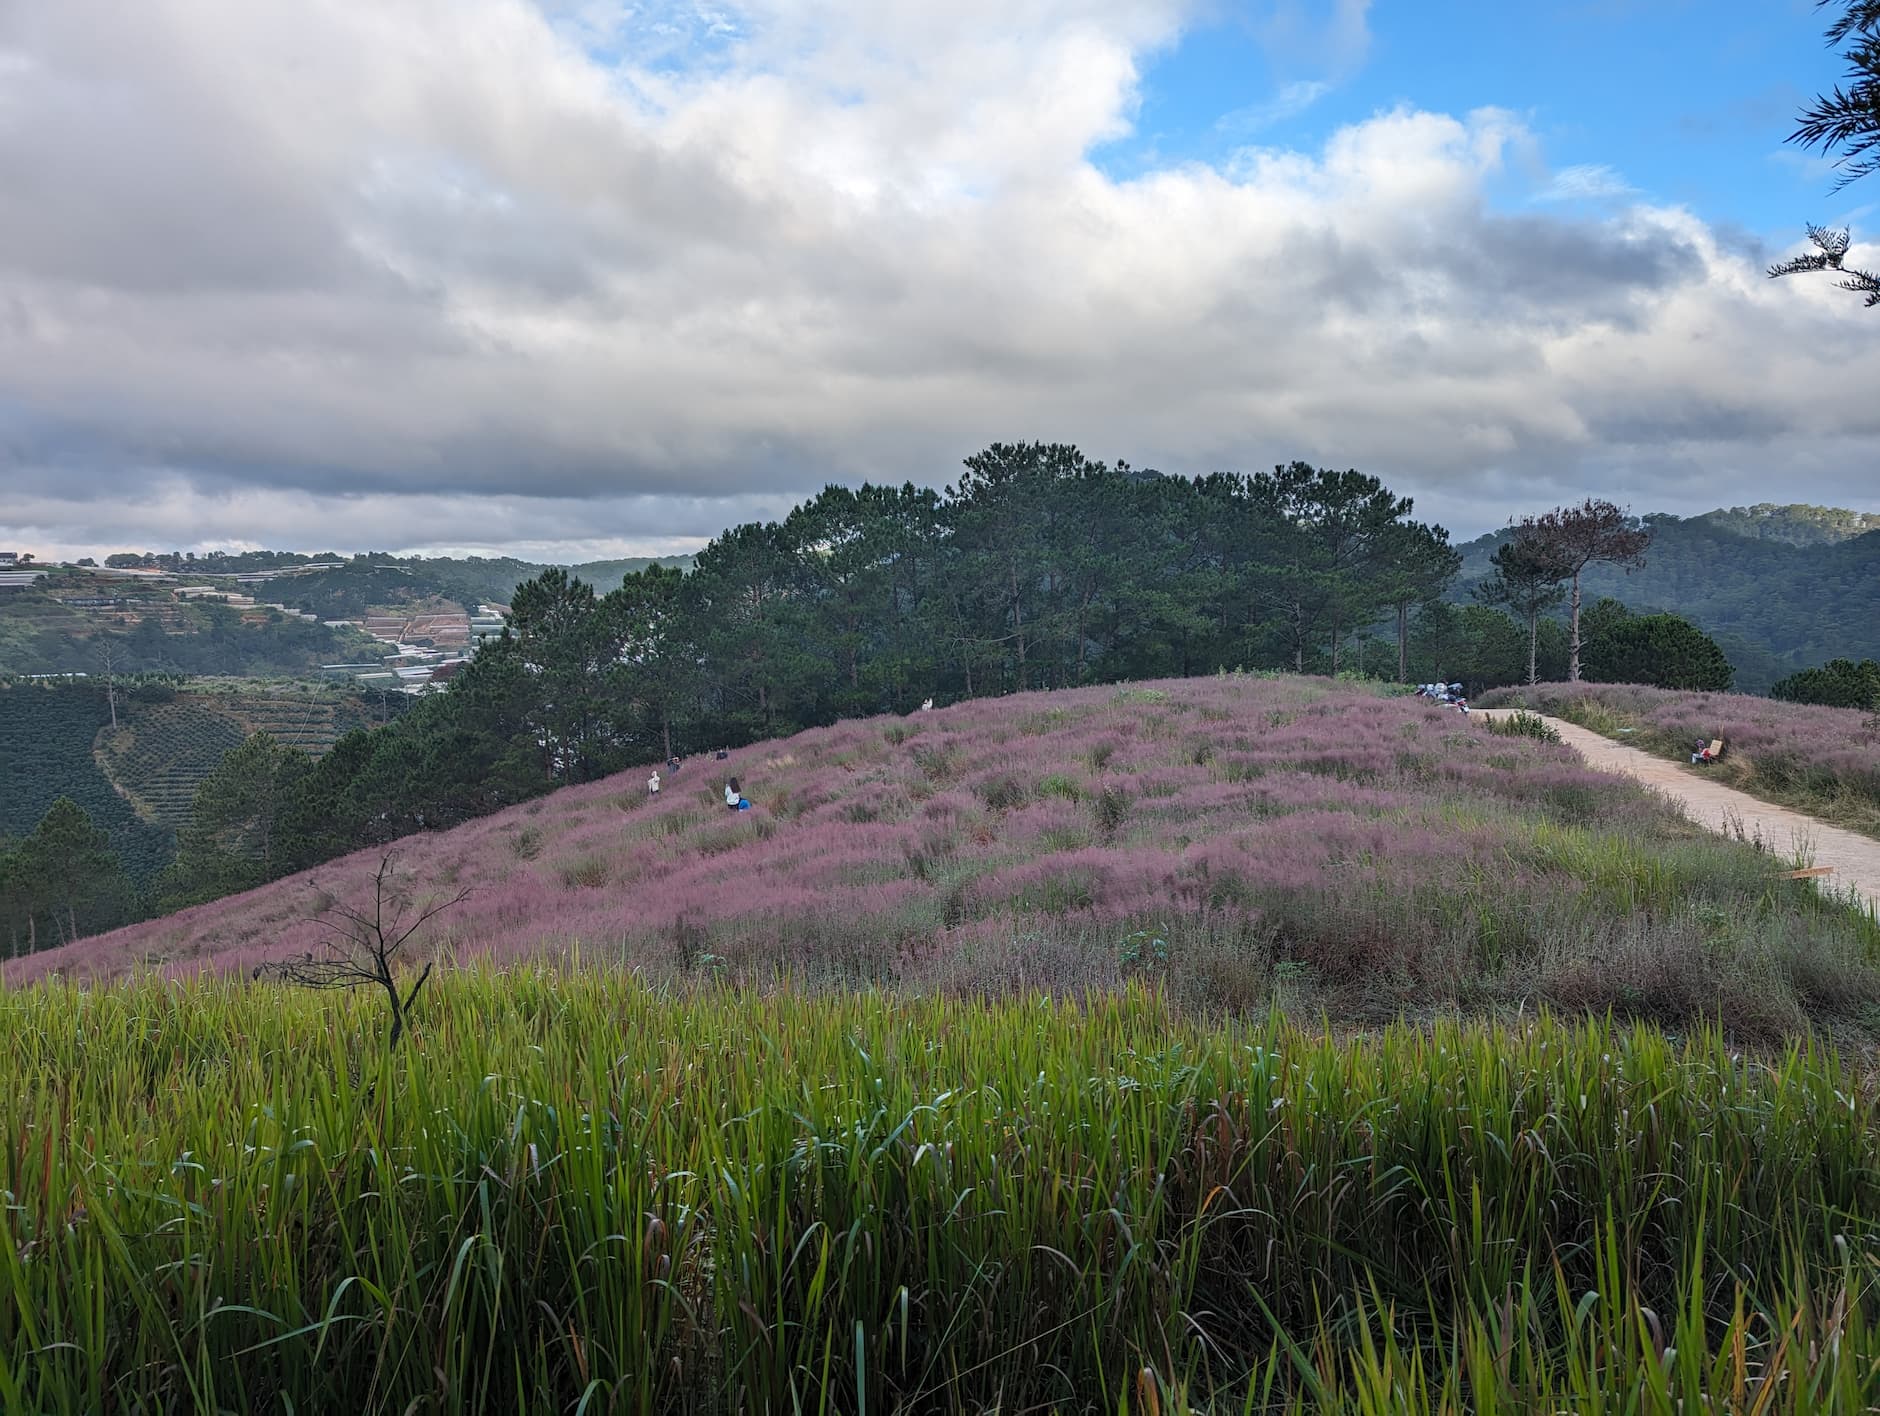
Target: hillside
46	738
137	782
1232	835
58	624
1780	588
62	624
162	750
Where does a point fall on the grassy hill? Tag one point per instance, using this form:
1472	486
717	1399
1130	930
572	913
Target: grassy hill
1780	588
1234	838
1824	761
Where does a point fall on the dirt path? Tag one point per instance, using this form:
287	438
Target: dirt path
1855	858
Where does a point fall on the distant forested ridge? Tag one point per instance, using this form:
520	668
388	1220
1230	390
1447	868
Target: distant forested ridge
1779	587
370	582
62	622
70	622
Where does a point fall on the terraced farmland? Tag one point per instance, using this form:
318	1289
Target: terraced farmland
311	723
161	754
163	751
46	735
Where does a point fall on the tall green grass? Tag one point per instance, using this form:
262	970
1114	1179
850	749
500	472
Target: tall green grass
571	1193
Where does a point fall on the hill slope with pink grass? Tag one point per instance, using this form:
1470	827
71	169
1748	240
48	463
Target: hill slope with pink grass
1233	837
1821	760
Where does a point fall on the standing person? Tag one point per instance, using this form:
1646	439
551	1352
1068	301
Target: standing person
652	783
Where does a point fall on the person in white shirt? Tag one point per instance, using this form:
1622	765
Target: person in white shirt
652	783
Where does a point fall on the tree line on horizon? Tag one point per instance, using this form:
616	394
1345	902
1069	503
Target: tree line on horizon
1039	569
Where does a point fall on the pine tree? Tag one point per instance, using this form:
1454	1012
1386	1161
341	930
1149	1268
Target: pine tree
1530	579
1847	123
1593	533
68	865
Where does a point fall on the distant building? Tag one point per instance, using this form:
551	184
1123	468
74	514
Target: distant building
9	558
211	592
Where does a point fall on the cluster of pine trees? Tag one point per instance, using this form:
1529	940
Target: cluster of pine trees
61	882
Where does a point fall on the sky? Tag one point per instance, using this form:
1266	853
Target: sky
574	278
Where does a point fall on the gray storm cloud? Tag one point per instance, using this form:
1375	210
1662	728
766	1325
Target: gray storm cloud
473	271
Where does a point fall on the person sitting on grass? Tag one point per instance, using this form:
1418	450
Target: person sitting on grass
734	796
1703	755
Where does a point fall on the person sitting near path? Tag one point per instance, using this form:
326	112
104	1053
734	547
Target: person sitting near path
652	783
1705	754
734	796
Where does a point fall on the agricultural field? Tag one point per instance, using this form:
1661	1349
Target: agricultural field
46	737
62	622
1824	761
161	751
1231	841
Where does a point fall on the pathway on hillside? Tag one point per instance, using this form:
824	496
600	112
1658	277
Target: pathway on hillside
1855	858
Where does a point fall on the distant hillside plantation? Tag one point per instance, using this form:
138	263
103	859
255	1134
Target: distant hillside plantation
383	582
60	625
46	739
137	782
161	751
1780	588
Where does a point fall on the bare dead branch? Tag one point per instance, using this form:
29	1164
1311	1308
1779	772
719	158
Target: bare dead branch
360	949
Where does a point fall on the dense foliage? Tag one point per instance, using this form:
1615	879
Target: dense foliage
46	739
1660	651
59	884
575	1193
1839	683
1778	588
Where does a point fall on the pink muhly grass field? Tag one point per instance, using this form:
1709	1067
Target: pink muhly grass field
1022	840
1798	749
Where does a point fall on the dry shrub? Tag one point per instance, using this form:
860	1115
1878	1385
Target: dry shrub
588	872
1110	809
1003	792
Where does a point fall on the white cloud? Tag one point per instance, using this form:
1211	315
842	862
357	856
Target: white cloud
472	271
1291	100
1586	181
